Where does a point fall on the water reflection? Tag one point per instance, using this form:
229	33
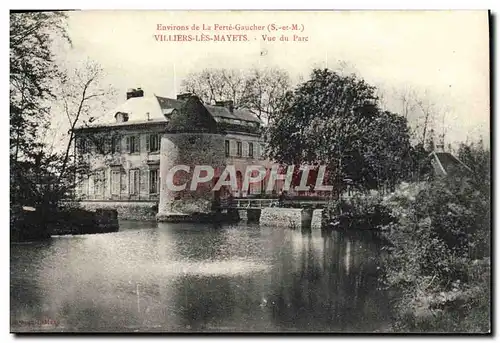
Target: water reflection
178	277
331	285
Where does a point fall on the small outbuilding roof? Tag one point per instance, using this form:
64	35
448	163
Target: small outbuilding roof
445	162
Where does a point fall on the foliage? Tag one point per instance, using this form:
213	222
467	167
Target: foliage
361	211
422	110
439	248
40	175
40	183
81	95
476	157
333	119
32	71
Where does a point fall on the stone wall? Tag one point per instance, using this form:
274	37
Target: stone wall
126	210
281	217
316	219
189	149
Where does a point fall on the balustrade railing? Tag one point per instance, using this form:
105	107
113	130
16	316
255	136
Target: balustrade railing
120	197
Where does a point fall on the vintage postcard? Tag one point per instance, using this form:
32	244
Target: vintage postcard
250	171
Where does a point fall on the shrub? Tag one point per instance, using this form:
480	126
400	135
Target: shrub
361	211
440	230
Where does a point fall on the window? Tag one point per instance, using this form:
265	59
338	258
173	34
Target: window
99	182
91	185
153	181
115	182
100	144
84	186
83	145
115	144
133	144
134	181
121	117
239	149
153	143
227	147
250	149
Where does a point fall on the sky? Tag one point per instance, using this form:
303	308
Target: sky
442	54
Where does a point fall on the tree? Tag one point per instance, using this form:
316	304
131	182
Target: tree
257	90
425	125
478	159
386	151
422	114
438	260
32	71
265	91
333	119
212	85
406	97
81	95
40	175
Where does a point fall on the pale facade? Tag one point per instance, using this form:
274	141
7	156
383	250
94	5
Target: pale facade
127	148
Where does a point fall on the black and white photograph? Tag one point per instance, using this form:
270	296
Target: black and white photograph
237	171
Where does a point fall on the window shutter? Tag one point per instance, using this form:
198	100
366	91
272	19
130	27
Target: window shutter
131	181
107	149
137	180
134	181
138	144
91	185
156	141
232	148
244	149
104	181
148	143
239	149
115	182
152	181
127	144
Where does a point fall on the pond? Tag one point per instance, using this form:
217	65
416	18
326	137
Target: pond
158	277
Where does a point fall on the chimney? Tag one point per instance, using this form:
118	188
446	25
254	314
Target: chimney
229	104
135	93
440	146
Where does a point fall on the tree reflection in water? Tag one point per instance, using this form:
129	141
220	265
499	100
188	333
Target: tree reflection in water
333	285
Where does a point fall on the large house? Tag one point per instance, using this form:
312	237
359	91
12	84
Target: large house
131	151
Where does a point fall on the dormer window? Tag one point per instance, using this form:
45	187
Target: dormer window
169	112
121	117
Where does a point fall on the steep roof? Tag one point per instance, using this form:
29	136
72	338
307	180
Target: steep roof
140	109
168	103
445	162
155	108
238	114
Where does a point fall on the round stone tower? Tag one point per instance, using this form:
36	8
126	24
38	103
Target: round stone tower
180	153
191	139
